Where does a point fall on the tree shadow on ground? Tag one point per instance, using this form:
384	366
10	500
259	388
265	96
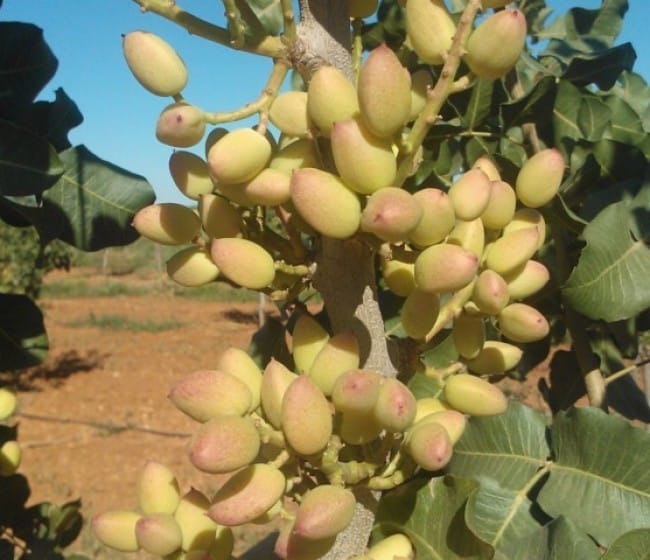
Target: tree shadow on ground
54	371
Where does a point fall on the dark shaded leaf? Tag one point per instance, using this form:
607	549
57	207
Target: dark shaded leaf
28	162
23	340
268	342
602	68
534	106
567	384
26	65
55	119
431	513
601	466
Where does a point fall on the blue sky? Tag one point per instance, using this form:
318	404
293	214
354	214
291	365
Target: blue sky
120	116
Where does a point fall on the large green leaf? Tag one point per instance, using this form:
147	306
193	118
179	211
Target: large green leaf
505	519
535	105
626	124
609	281
480	104
26	65
430	513
23	340
55	119
630	546
587	30
28	163
92	205
509	448
565	541
600	475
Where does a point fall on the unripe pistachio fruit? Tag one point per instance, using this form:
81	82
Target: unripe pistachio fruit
444	268
494	47
116	529
421	83
158	533
306	417
539	179
10	457
325	203
397	545
200	533
429	29
331	98
468	332
398	276
205	394
239	155
501	206
523	323
275	382
190	174
243	262
392	214
324	512
469	235
527	280
167	223
239	364
365	162
419	313
288	113
356	391
430	445
180	125
512	250
192	267
157	489
525	218
219	217
474	396
384	90
224	444
247	495
490	292
437	217
308	339
395	407
495	358
470	194
339	354
8	403
154	63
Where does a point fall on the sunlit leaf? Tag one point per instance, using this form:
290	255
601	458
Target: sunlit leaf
269	13
508	448
600	475
430	513
633	545
480	104
23	340
609	269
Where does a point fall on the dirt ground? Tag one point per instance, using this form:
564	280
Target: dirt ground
96	410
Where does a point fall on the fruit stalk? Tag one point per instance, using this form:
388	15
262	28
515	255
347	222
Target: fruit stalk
438	95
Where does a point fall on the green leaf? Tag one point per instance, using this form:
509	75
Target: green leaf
587	30
23	340
423	386
28	163
578	115
269	341
633	89
612	268
633	545
567	541
269	13
505	519
602	68
26	65
626	124
430	514
92	205
480	104
600	476
508	448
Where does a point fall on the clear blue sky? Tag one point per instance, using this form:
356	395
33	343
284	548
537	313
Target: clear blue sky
120	115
